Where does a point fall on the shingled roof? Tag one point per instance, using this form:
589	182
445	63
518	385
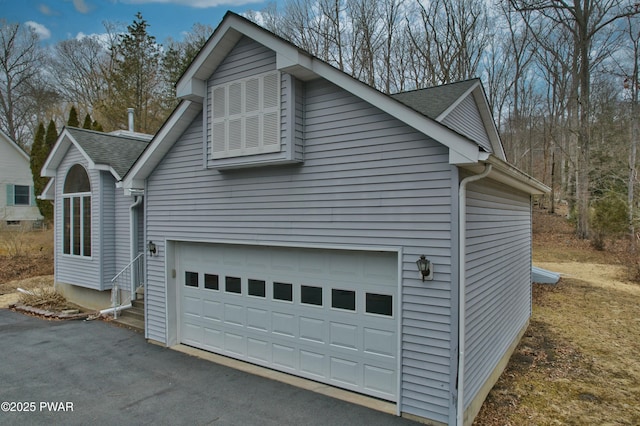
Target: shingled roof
117	151
433	101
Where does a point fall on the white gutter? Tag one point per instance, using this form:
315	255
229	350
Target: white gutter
462	236
133	238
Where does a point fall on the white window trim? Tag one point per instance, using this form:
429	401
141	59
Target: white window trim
81	196
243	150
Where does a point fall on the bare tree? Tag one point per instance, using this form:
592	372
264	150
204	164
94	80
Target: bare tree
77	67
23	90
584	19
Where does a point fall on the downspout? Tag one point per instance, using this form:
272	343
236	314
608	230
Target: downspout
133	238
462	236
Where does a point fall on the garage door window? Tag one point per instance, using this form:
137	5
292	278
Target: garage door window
381	304
283	291
211	282
232	285
311	295
343	299
257	288
191	279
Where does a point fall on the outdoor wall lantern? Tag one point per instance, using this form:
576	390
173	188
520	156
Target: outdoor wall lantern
425	268
152	248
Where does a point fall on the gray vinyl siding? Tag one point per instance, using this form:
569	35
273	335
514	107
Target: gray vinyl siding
367	180
246	59
498	291
84	272
122	240
465	119
109	226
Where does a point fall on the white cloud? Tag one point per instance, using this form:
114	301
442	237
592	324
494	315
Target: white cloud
81	6
46	10
201	4
42	31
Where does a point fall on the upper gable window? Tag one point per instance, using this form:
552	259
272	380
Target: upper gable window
245	116
76	213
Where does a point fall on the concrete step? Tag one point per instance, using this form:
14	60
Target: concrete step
133	317
131	322
135	312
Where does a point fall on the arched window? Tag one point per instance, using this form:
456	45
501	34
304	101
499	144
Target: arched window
76	212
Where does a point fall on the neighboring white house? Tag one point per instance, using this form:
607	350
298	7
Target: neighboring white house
17	199
284	208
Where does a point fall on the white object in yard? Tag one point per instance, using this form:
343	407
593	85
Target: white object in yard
542	276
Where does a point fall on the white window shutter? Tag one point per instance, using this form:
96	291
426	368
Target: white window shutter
245	116
252	101
271	136
270	90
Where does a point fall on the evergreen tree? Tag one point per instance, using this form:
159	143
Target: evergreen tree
39	154
97	127
87	122
36	161
73	118
50	138
136	80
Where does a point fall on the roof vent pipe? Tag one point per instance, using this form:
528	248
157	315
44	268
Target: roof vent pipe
130	111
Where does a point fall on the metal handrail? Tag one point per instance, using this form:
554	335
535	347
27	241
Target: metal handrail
130	280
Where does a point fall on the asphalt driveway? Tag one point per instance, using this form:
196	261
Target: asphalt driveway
103	374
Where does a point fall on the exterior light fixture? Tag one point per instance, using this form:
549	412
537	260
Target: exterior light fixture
425	268
152	248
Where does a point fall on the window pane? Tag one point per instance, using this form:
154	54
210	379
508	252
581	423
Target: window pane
86	223
191	279
257	288
77	180
343	299
232	285
283	291
22	195
311	295
379	304
75	202
211	281
66	225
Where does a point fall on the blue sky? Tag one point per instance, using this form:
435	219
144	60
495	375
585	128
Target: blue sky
56	20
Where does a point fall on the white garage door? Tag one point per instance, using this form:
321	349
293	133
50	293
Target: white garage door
326	315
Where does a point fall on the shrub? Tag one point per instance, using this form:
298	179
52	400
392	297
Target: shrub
609	218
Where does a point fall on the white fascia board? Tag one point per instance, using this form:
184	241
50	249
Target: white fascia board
48	193
58	152
490	124
193	89
105	168
168	134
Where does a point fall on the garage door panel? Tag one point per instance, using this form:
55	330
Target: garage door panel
234	314
380	380
283	324
344	371
212	310
343	335
258	350
379	342
234	343
312	329
313	364
214	338
327	315
284	357
258	319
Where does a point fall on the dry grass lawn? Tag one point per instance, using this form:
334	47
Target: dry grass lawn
578	363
